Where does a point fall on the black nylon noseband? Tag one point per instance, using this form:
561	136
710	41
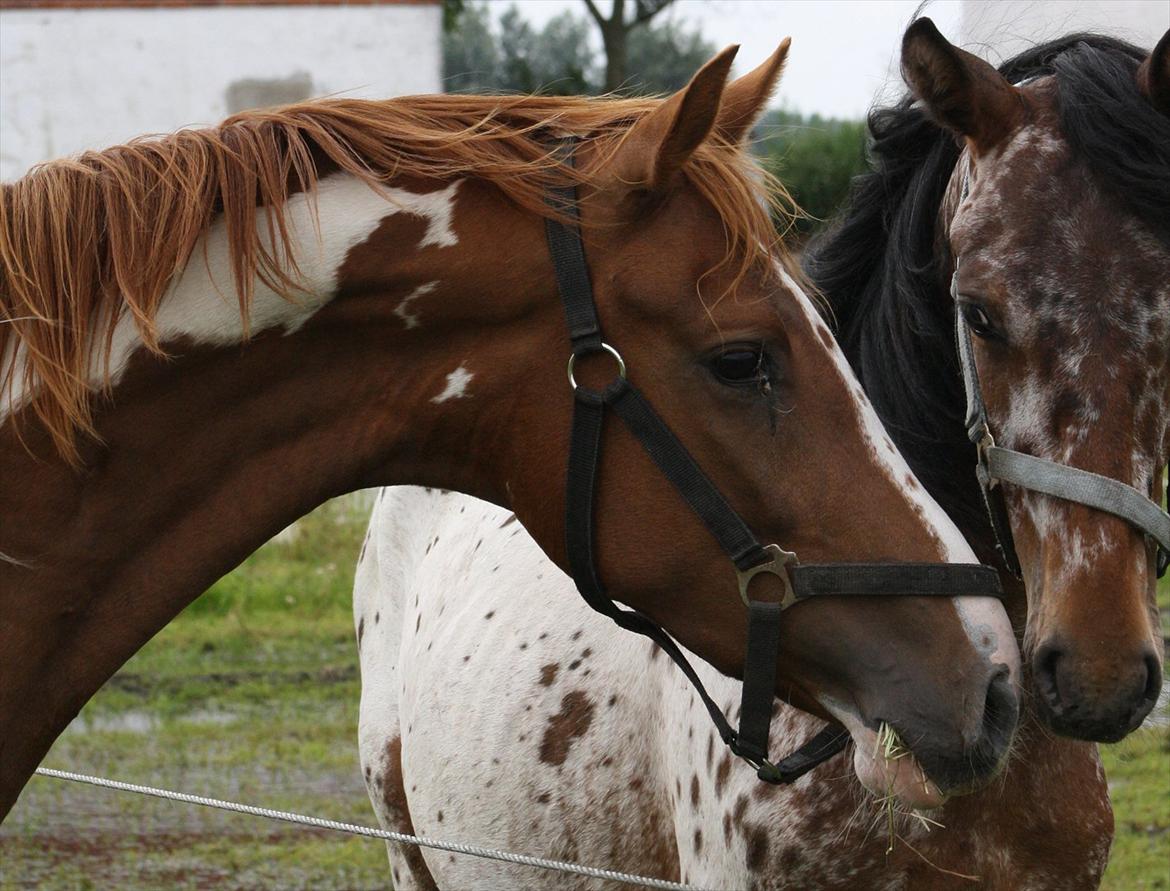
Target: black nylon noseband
733	535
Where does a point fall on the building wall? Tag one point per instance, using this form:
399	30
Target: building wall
80	78
998	29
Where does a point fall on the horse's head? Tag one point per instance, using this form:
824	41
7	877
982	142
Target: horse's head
1058	217
718	332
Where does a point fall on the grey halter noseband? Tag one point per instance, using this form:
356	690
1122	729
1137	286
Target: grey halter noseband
999	465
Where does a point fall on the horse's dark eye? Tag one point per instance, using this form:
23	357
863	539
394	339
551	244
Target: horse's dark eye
977	320
740	365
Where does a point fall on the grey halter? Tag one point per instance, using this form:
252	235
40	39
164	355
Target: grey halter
999	465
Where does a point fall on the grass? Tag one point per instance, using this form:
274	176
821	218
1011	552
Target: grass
252	694
1138	769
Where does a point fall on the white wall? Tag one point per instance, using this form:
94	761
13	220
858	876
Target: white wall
74	79
998	29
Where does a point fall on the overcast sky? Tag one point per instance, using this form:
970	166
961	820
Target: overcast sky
841	51
844	51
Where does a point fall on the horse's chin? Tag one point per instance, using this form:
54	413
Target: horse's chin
885	774
901	777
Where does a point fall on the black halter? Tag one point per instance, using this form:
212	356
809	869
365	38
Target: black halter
746	553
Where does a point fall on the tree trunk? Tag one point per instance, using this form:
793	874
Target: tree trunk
613	37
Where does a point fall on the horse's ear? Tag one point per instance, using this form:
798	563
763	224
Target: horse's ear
745	98
658	145
1153	76
960	91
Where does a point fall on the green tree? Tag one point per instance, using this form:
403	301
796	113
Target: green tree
482	55
616	31
471	58
816	159
556	60
665	57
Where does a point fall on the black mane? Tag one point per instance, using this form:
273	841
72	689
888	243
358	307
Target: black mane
879	264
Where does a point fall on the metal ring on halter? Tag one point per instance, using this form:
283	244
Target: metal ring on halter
777	566
759	764
605	346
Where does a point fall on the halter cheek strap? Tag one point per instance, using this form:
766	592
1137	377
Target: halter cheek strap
997	464
747	555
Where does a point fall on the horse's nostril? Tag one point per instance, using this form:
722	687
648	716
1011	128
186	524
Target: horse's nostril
981	755
1001	702
1001	711
1153	685
1044	668
1100	700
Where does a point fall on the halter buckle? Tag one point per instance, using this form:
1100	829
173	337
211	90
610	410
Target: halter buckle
777	566
986	441
765	769
621	365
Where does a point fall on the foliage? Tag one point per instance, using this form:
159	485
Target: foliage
482	55
452	10
816	158
471	56
556	60
663	57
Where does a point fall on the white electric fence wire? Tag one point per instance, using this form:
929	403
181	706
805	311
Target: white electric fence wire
371	832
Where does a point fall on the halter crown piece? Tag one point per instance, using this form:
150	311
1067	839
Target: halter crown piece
749	557
999	465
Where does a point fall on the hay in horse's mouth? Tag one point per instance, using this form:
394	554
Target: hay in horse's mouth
889	746
888	769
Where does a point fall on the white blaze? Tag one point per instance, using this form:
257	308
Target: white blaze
982	617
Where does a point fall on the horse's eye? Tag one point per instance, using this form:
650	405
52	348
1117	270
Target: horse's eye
977	320
740	365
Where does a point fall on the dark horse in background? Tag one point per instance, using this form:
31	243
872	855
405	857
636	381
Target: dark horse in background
1065	281
1064	239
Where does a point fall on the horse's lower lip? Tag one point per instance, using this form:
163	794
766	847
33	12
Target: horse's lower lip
902	777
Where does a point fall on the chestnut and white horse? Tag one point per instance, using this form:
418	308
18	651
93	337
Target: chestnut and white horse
497	708
205	335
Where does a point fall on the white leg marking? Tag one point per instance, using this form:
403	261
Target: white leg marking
456	388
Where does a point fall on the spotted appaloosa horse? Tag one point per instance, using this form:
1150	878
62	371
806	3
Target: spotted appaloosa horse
604	753
1062	245
206	335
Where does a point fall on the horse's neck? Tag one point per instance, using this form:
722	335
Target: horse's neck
376	375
